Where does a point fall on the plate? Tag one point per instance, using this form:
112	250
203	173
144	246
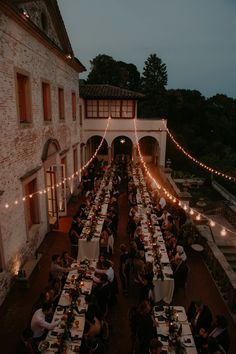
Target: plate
188	341
44	345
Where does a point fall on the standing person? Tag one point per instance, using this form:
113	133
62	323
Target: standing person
145	327
146	281
200	316
74	235
124	268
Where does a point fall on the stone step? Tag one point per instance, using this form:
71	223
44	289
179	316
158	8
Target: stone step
233	266
230	257
227	249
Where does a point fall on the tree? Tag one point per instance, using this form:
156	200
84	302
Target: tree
106	70
103	70
153	82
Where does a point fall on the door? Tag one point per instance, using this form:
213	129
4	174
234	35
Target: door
51	198
60	173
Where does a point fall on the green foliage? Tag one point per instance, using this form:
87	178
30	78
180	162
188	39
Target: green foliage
153	82
106	70
205	128
189	234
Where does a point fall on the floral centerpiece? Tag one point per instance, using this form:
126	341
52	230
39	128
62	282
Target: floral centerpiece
169	313
158	266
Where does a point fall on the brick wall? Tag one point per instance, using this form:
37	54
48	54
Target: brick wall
21	147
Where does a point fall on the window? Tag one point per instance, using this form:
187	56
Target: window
127	110
75	159
24	99
97	108
92	109
73	98
31	203
115	108
103	109
47	113
61	104
122	108
80	115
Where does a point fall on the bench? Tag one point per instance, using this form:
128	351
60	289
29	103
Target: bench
27	269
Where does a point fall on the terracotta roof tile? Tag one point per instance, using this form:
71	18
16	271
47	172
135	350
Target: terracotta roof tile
107	92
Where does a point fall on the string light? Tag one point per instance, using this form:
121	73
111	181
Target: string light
212	223
44	191
223	232
201	164
199	215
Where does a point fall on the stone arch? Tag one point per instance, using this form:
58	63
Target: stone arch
122	145
150	149
50	148
93	143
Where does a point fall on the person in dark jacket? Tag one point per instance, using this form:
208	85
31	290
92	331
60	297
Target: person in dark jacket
200	316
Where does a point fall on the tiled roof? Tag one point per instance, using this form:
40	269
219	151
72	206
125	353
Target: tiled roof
107	92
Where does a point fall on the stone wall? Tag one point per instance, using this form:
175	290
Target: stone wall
22	146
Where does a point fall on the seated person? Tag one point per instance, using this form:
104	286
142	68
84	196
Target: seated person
39	325
56	269
219	331
108	270
66	259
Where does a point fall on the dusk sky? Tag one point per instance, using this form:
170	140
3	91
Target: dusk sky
196	39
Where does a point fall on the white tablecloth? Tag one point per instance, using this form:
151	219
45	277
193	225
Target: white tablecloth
163	290
186	336
89	249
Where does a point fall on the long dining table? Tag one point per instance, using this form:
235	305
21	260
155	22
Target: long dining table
89	248
74	281
153	242
182	333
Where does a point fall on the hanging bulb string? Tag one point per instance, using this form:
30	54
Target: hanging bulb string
191	211
196	161
57	185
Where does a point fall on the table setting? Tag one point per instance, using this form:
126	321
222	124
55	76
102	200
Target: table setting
67	335
173	330
89	242
154	244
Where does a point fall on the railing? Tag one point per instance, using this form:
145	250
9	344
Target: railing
222	273
226	194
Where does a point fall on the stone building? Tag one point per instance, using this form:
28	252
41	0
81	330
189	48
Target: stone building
48	132
40	127
98	102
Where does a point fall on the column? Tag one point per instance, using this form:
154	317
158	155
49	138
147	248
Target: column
135	153
109	155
